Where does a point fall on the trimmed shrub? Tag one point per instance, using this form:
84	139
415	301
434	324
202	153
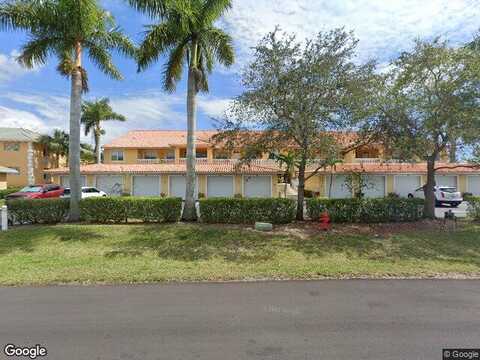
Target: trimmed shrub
5	192
121	209
38	211
366	210
247	211
473	209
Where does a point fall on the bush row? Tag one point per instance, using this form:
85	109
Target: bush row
247	211
473	207
5	192
96	210
38	211
366	210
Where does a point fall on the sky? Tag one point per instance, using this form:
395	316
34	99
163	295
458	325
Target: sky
38	99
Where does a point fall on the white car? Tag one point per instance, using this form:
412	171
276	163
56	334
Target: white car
87	192
445	195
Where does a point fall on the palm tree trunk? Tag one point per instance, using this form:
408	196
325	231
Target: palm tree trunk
97	146
74	143
189	211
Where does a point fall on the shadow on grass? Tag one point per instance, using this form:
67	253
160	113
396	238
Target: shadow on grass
193	243
28	238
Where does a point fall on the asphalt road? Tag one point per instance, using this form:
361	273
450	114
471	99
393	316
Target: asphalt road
272	320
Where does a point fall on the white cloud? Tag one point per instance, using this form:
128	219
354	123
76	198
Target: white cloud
10	68
213	107
18	118
384	27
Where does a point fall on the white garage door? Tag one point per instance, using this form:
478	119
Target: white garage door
219	186
338	189
111	184
446	180
146	185
374	186
473	184
407	184
177	185
65	181
257	186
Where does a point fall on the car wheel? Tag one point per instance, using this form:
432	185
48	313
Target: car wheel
410	196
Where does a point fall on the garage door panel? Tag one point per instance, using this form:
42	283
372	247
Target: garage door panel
65	181
407	184
177	185
220	186
146	185
257	186
338	188
374	186
111	184
446	180
473	184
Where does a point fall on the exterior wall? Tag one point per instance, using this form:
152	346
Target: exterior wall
462	183
164	185
349	157
15	159
3	181
130	156
202	184
91	180
127	184
389	185
238	185
317	184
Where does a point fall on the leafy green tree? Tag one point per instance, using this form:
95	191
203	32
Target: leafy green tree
427	100
297	94
67	29
93	114
187	35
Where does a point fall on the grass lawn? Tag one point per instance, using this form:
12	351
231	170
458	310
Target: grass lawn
148	253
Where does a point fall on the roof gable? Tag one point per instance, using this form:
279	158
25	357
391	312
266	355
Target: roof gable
18	134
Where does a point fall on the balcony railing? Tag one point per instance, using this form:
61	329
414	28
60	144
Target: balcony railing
202	160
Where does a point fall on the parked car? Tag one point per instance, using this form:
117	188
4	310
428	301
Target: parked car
37	192
87	191
445	195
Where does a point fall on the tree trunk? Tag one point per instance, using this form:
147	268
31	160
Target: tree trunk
453	152
74	143
189	211
301	189
428	190
330	185
97	146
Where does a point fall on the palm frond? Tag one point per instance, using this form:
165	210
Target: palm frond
103	59
36	51
221	45
174	67
213	9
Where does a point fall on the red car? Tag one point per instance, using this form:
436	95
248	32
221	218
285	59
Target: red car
37	192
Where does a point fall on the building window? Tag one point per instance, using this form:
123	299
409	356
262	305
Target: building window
170	155
367	153
201	153
219	154
117	155
11	146
150	155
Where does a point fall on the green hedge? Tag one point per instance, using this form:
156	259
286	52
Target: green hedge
247	211
366	210
122	209
473	207
38	211
5	192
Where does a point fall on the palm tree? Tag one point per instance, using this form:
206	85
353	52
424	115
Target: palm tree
67	29
186	34
93	114
56	144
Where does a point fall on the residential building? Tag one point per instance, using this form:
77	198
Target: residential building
152	163
21	151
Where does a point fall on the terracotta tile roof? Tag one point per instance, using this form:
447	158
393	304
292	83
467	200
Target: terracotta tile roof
399	168
18	134
203	167
158	139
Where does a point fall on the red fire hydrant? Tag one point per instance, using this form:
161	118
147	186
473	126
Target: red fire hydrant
325	223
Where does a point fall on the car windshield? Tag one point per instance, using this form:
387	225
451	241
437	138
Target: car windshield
66	191
448	189
31	189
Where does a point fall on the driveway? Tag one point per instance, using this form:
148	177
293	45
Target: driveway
460	211
372	319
